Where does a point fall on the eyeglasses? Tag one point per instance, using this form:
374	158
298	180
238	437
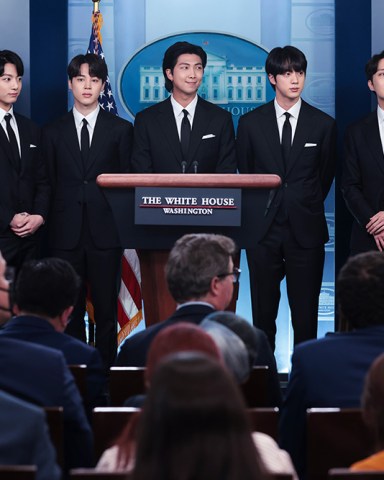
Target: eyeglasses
235	274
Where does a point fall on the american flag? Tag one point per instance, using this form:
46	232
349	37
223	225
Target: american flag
129	309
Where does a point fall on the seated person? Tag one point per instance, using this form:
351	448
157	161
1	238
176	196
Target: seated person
373	415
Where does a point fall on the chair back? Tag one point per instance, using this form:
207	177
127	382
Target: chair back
18	472
54	417
265	420
255	388
125	382
336	438
79	373
92	474
346	474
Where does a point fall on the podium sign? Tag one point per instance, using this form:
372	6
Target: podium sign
188	206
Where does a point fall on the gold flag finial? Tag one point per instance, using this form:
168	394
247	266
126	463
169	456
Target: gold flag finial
95	5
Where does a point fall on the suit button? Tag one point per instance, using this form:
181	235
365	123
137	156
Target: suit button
85	182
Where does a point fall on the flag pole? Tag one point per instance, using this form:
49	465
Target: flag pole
96	5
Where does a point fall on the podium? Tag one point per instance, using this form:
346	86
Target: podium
153	242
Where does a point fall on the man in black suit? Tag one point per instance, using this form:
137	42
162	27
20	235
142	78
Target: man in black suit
184	133
77	148
44	294
24	193
200	277
363	170
296	141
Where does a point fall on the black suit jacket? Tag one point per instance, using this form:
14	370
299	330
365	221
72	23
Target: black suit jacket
73	186
363	178
133	351
157	144
27	191
308	176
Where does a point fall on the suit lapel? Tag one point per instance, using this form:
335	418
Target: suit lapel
201	121
270	131
5	146
372	135
71	140
168	128
24	141
98	138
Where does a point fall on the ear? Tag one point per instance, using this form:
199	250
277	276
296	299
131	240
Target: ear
70	84
272	79
215	286
371	86
65	316
168	72
16	309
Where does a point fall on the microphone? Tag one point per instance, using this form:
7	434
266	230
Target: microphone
183	166
195	164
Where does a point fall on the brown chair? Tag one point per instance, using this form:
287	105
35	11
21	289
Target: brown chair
79	373
255	388
54	416
91	474
336	438
18	472
124	382
346	474
265	420
107	424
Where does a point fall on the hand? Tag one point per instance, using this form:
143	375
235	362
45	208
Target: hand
18	221
30	225
379	239
376	224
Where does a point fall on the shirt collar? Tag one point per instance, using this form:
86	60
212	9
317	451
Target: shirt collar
294	111
177	108
3	113
380	115
91	117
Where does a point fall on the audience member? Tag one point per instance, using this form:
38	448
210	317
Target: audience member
39	375
200	277
373	415
329	372
258	347
25	438
44	295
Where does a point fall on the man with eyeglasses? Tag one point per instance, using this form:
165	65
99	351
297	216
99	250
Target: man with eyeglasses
200	277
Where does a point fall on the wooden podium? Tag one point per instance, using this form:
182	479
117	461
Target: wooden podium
153	242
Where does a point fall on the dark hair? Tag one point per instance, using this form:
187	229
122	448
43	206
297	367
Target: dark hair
360	290
285	59
46	287
372	65
373	400
194	425
7	56
97	66
194	260
172	54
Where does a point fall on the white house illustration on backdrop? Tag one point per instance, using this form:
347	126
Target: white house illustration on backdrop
222	84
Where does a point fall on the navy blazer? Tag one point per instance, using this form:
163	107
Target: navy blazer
306	179
27	191
37	330
25	439
328	372
74	186
363	178
157	145
39	375
133	351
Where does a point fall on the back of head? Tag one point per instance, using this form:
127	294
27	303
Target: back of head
240	327
285	59
359	289
173	53
194	424
7	56
193	261
181	337
97	66
373	64
373	399
232	349
46	287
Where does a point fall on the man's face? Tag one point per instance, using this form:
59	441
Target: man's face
5	312
86	89
288	87
10	86
186	76
377	83
226	284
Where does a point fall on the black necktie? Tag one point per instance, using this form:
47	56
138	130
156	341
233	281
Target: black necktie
286	138
185	134
84	144
13	142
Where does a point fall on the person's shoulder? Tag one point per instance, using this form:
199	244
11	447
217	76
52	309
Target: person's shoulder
319	114
9	403
114	119
154	110
257	113
360	122
209	106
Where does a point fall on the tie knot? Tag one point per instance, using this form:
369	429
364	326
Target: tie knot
287	116
185	113
85	122
8	118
